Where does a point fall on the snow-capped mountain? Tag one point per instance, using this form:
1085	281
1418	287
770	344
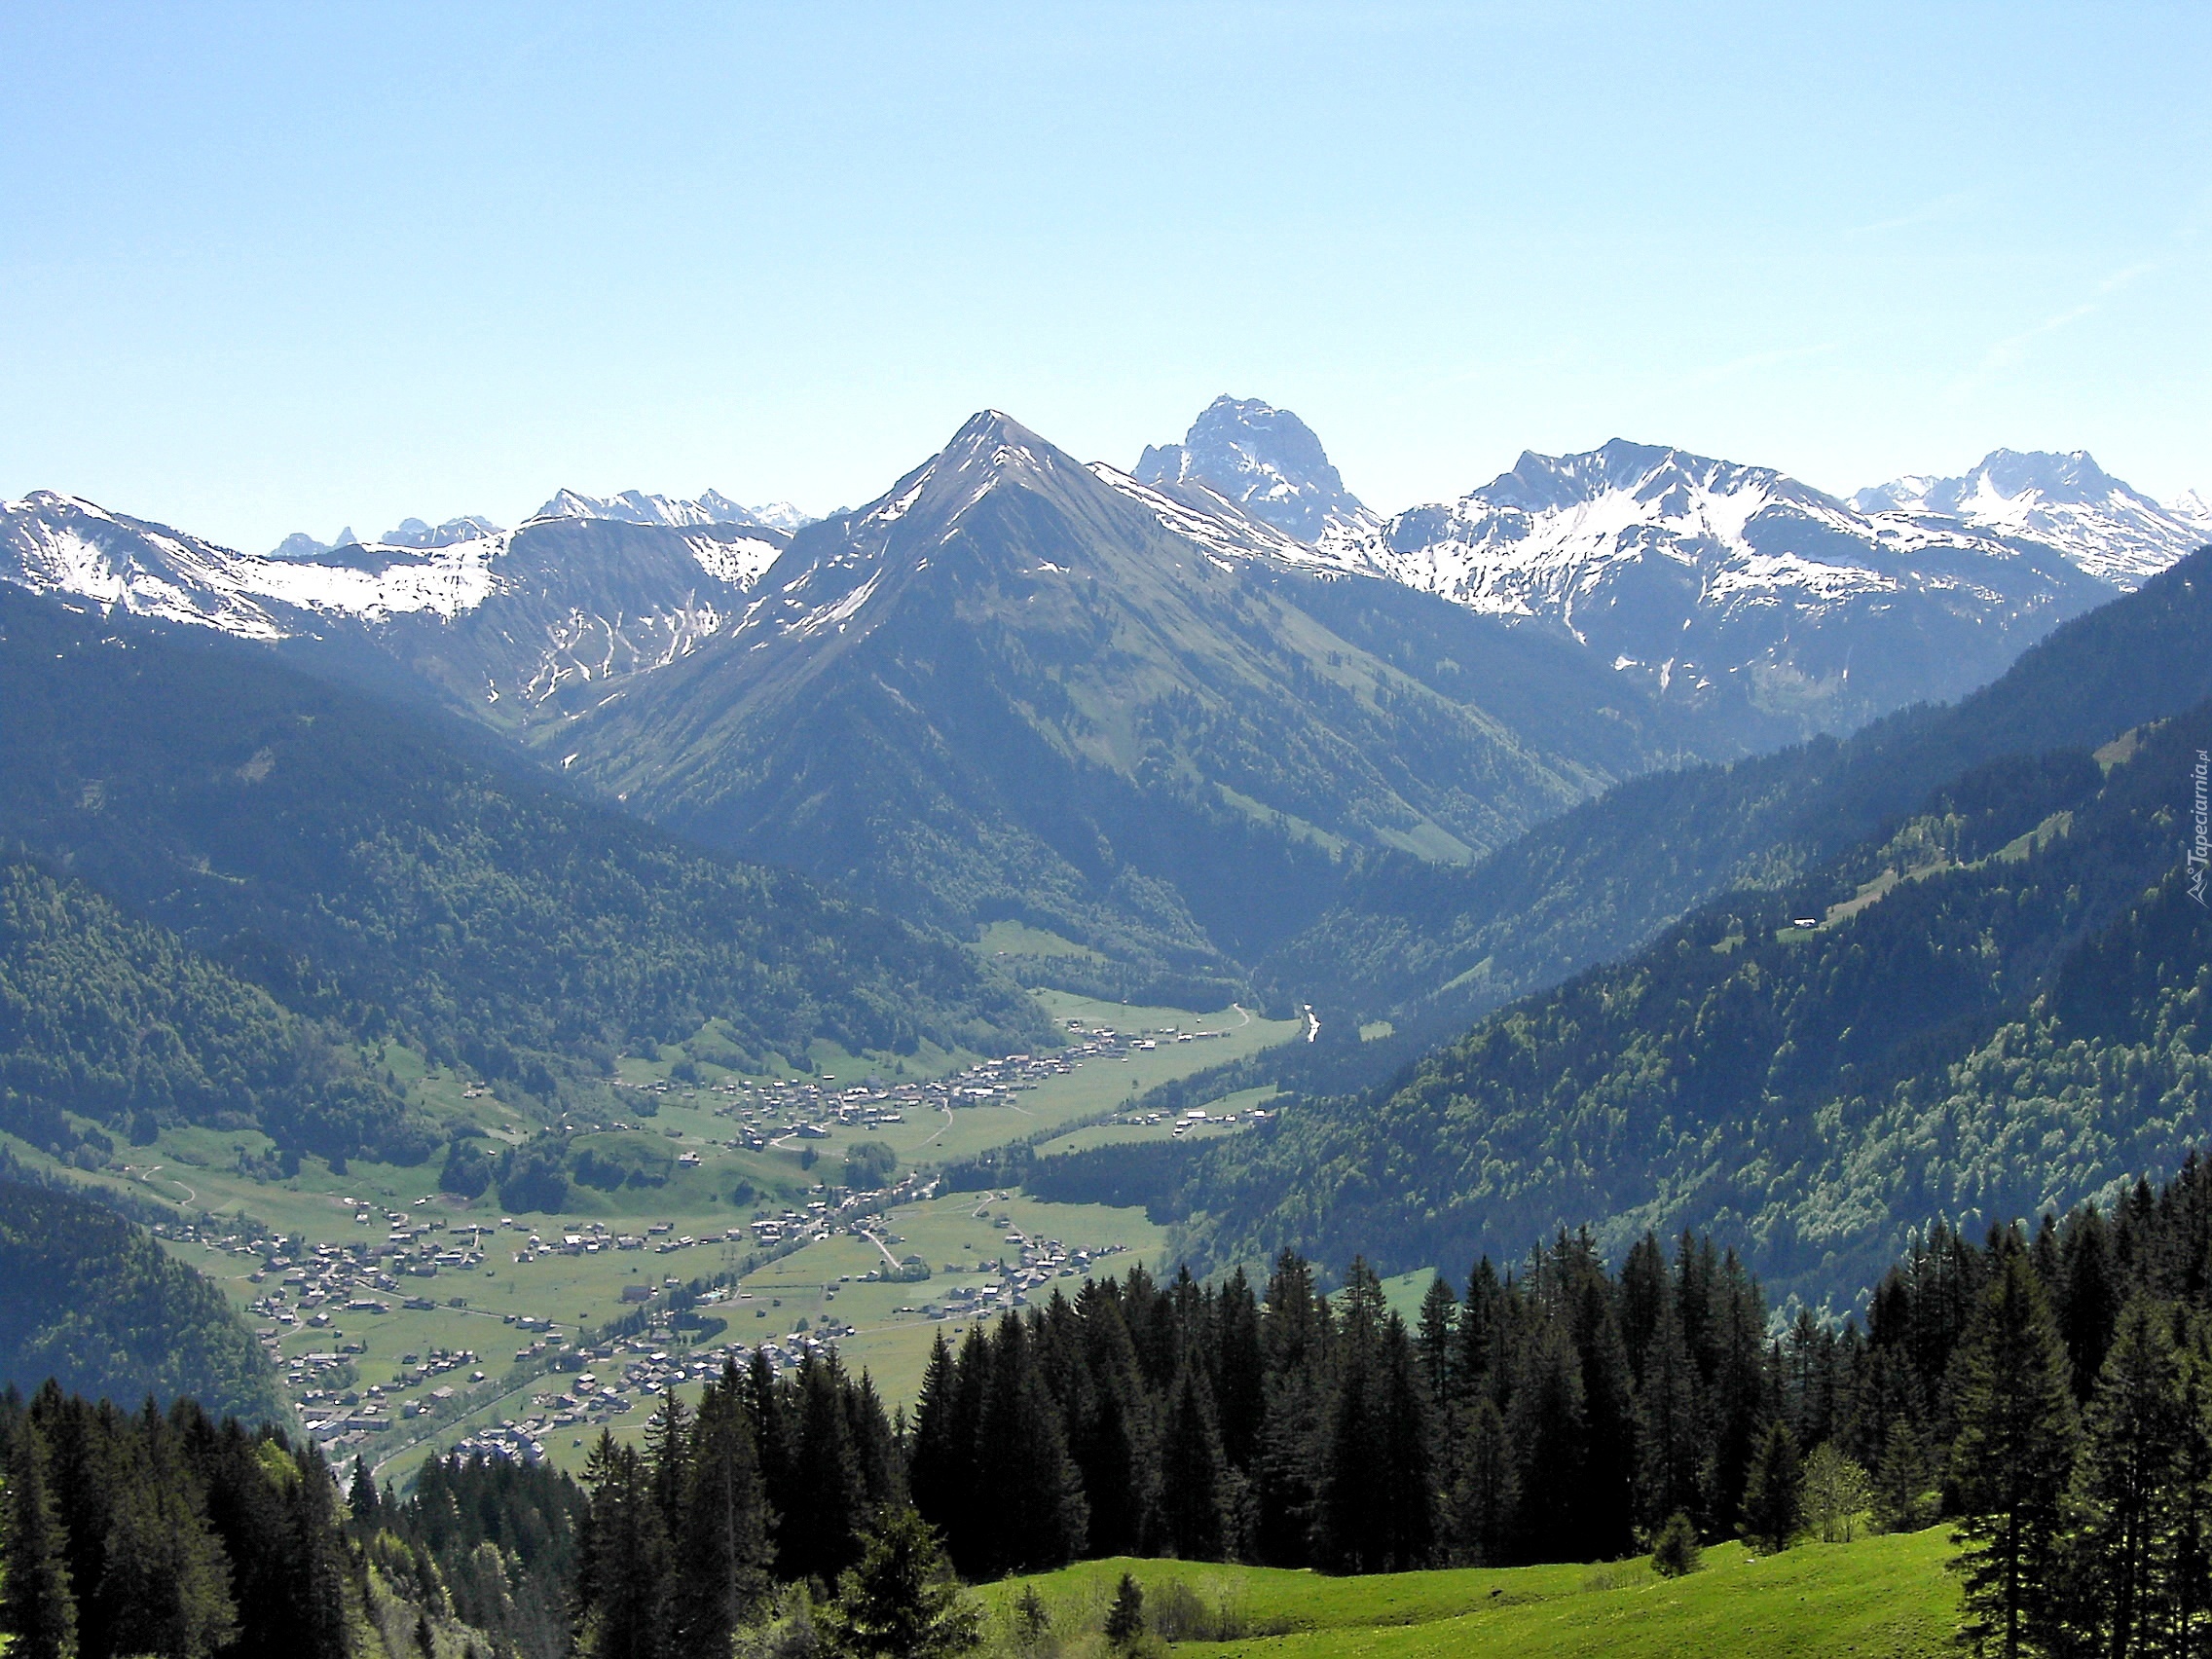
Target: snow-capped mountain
511	618
1016	684
1269	462
2067	501
637	506
1714	580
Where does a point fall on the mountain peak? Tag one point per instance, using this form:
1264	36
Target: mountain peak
2063	499
1266	460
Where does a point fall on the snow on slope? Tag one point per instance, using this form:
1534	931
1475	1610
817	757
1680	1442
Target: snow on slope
54	543
638	507
60	543
2063	501
1267	462
1556	534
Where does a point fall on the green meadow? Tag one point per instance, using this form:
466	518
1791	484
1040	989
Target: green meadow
1880	1597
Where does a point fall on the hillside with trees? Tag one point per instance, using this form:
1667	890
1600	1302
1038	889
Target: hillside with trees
239	871
91	1301
1995	1004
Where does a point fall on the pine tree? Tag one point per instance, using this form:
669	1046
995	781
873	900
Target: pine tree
1409	1498
825	1509
1191	1474
1671	1443
2011	1461
621	1590
1437	1327
1296	1336
1038	1518
1547	1427
721	1547
2126	1544
1900	1480
901	1599
1484	1496
36	1606
1771	1493
1124	1618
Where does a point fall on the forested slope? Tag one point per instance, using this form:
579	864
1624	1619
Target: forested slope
2003	1006
1435	946
209	822
91	1301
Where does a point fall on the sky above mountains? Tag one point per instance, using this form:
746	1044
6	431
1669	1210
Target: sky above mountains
273	269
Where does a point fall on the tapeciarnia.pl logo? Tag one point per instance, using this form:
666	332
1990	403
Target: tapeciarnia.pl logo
2200	817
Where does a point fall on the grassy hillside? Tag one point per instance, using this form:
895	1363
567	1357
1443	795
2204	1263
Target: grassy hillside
1882	1598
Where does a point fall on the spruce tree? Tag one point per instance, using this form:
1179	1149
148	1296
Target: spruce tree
1484	1494
2010	1462
621	1589
2128	1547
1124	1617
36	1606
901	1600
721	1547
1771	1493
1547	1428
1191	1472
1438	1325
1671	1442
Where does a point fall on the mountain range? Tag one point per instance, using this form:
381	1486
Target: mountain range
1172	718
1963	973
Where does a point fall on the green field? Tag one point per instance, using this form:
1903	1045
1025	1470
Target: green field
1882	1598
231	1172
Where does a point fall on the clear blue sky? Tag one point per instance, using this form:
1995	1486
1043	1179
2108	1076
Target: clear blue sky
297	266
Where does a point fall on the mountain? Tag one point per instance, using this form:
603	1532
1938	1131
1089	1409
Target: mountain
1430	947
635	507
1014	687
1991	1002
506	625
1737	588
1269	462
90	1300
2064	501
231	885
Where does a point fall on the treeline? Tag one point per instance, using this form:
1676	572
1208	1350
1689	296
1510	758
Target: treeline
771	1479
2063	1387
481	1540
168	1533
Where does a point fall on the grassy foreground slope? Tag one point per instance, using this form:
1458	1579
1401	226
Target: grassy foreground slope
1882	1598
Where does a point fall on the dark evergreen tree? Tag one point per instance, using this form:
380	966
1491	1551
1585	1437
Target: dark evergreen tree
2129	1545
1772	1490
1190	1470
37	1607
901	1600
622	1605
721	1544
2010	1462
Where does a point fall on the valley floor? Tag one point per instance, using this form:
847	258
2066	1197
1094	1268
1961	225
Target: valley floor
1880	1597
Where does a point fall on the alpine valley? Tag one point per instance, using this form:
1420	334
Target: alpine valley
1159	926
1165	721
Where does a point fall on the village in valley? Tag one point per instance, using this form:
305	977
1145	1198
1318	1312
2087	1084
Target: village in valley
411	1322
